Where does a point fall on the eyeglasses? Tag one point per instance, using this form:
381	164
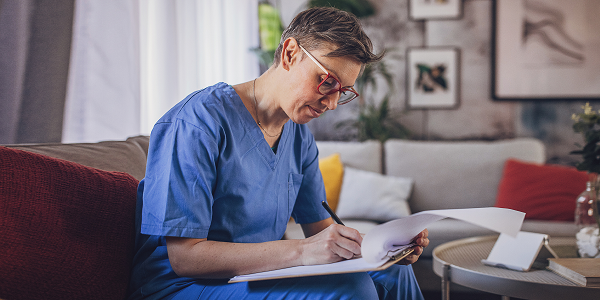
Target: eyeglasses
331	85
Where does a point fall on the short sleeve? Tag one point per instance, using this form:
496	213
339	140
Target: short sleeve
180	177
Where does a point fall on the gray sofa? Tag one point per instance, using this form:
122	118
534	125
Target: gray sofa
445	174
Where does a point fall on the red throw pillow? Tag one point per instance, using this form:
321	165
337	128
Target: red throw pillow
66	230
543	192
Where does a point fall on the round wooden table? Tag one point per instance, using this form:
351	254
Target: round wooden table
460	262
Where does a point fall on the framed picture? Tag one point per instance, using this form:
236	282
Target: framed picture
546	50
432	78
434	9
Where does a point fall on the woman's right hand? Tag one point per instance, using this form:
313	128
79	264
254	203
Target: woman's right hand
332	244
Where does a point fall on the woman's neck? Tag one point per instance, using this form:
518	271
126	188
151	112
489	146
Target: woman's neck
264	106
267	104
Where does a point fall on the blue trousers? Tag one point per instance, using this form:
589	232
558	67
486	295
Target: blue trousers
396	282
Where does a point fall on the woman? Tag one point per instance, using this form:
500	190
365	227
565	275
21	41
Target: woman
228	166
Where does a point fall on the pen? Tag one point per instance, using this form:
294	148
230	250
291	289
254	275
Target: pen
333	215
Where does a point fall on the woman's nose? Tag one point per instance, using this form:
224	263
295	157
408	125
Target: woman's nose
331	100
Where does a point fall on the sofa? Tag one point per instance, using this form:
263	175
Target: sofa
461	174
446	175
67	215
67	210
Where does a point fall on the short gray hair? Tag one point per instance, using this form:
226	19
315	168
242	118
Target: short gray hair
315	26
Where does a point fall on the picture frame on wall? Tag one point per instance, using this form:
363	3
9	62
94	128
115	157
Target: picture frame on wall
546	50
432	78
434	9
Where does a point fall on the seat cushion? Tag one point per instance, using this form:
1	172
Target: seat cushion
67	230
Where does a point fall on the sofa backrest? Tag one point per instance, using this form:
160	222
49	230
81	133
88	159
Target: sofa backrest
456	174
122	156
359	155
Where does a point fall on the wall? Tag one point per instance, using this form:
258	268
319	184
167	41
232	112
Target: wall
478	115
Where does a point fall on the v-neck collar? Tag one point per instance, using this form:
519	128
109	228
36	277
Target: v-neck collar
271	158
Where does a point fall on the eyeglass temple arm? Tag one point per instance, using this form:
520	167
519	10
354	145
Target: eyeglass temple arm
314	59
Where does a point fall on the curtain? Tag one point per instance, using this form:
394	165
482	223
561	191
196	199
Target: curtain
103	95
35	44
133	60
190	44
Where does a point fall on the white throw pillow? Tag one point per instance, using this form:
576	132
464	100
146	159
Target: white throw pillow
373	196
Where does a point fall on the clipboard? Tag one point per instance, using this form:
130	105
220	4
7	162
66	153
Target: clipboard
347	266
521	253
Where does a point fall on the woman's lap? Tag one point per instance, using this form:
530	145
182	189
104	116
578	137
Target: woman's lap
396	282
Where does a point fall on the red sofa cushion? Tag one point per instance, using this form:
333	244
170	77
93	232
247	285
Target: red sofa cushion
543	192
66	230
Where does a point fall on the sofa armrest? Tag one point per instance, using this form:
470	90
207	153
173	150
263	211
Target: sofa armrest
121	156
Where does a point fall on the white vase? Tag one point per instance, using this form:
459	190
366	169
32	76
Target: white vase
588	242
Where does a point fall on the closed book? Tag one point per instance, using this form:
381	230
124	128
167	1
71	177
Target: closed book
583	271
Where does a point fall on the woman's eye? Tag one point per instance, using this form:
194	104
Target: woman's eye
330	82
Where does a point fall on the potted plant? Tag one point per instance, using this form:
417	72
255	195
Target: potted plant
588	125
376	119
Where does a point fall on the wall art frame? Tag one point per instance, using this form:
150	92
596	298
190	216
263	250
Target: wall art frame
546	50
434	9
432	78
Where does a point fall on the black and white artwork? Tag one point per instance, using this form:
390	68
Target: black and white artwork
547	49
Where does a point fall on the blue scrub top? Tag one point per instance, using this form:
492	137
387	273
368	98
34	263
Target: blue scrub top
211	174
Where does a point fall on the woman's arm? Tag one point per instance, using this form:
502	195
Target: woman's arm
202	258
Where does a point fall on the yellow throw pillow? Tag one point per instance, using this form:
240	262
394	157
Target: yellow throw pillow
332	170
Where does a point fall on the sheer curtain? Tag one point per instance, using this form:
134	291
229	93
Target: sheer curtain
190	44
103	94
133	60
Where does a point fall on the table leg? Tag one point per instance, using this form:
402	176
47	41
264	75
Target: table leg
446	283
505	298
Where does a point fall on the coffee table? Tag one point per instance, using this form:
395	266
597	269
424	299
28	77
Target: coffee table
460	262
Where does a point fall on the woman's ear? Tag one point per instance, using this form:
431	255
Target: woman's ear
290	53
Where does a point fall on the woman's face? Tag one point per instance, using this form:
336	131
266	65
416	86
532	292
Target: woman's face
303	102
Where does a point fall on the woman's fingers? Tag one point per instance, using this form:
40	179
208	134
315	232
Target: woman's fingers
421	241
334	243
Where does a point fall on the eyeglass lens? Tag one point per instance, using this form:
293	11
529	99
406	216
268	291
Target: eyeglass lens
331	85
346	96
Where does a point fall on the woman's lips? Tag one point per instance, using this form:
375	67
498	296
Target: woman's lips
314	112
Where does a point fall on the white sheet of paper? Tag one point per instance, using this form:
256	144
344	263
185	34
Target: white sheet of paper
396	234
402	231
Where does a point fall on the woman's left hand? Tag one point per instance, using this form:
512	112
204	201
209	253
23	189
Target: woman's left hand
421	242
